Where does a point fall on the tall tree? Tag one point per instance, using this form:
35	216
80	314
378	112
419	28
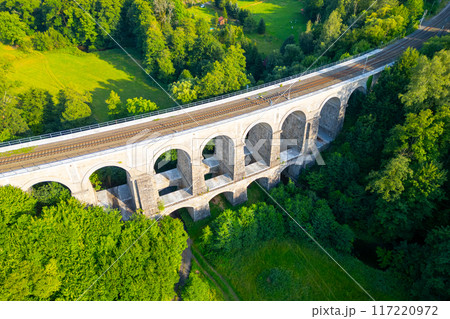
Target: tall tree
33	103
75	107
77	244
430	83
332	28
261	26
115	107
12	29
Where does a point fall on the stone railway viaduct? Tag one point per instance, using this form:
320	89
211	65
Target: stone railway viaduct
257	145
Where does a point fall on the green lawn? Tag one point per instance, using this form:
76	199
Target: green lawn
278	15
207	12
98	73
288	270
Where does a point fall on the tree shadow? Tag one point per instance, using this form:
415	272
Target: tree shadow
138	84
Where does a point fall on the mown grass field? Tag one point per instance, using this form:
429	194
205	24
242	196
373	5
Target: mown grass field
98	73
207	12
282	17
289	270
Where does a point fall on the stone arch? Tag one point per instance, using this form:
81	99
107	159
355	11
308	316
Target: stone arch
117	193
293	128
219	163
235	196
263	181
196	212
214	135
358	90
257	141
173	177
28	185
267	125
268	181
290	171
286	114
164	149
228	193
350	109
361	88
85	181
330	118
170	210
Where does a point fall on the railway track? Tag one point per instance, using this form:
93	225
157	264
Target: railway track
101	141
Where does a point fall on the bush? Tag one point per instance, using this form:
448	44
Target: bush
49	40
276	281
25	45
196	289
249	24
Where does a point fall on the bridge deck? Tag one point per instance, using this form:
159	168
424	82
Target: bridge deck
95	142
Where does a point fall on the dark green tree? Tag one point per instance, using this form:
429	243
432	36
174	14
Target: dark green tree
33	104
261	26
74	106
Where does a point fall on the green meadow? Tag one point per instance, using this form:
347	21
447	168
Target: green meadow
285	269
289	269
207	12
97	72
282	17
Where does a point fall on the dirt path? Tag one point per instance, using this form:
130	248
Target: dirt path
185	269
186	263
204	272
211	268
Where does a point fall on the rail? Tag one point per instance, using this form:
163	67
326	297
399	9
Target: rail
185	106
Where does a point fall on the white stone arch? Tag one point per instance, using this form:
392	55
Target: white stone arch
292	130
331	117
268	179
328	99
359	88
85	180
166	148
229	191
28	185
256	178
261	152
169	210
251	126
290	167
214	135
224	153
290	112
362	88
